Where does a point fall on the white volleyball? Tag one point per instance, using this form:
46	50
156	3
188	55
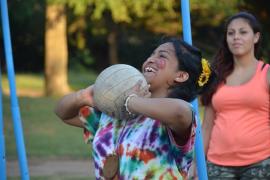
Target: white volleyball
111	86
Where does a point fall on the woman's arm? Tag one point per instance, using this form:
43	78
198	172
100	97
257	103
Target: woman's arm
68	106
207	126
174	113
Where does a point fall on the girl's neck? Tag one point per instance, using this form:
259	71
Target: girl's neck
158	94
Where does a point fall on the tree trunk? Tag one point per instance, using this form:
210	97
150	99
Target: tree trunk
56	53
112	41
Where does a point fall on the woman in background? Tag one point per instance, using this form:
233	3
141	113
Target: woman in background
236	125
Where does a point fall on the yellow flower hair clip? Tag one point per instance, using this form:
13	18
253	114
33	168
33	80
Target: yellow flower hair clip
206	72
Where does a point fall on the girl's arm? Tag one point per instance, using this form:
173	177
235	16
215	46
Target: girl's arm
174	113
68	106
207	125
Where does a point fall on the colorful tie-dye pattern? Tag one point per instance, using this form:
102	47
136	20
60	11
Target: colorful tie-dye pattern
146	147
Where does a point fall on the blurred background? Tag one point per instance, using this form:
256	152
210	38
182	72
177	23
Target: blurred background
60	46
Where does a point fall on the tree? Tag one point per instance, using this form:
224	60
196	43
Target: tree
262	12
157	16
112	15
56	54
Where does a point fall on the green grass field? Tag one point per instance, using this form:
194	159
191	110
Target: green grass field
45	135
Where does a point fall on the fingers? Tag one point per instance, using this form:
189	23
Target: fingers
91	90
148	95
140	90
145	91
138	85
87	95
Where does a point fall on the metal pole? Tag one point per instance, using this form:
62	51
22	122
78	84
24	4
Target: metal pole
12	86
199	150
3	175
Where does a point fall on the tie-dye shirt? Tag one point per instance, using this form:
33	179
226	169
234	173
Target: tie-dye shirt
146	147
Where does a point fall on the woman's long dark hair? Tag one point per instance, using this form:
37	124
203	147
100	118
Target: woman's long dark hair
223	59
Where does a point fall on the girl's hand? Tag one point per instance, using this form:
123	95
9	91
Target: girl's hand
86	96
139	91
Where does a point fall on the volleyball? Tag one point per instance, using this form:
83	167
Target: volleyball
111	87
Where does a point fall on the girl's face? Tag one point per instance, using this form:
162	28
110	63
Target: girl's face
241	38
161	69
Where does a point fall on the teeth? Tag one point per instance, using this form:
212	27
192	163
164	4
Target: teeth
149	69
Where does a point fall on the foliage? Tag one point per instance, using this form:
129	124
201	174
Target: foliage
140	23
121	10
212	12
262	13
27	30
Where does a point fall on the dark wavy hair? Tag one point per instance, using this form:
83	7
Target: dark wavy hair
223	59
189	60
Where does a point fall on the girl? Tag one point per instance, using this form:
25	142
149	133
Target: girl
158	143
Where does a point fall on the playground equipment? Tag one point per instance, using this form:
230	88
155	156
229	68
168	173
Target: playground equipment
199	150
18	130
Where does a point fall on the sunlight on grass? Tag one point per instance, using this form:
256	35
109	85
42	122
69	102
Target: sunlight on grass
26	84
32	85
26	81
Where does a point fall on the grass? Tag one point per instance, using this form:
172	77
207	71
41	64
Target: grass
45	136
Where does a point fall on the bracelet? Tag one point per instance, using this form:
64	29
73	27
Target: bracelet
126	103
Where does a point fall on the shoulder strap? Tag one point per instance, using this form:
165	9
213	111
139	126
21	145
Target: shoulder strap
263	66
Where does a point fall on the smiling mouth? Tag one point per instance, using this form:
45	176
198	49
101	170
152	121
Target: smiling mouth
149	69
